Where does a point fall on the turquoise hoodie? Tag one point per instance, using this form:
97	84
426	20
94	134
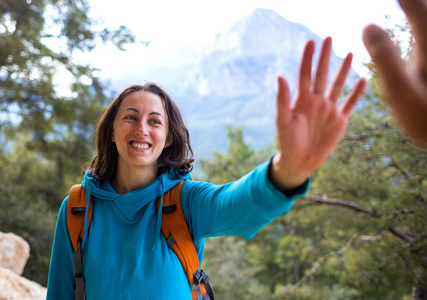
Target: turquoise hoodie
125	255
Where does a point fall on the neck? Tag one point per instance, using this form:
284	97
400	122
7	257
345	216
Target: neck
130	180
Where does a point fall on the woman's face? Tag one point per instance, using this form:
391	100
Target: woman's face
140	131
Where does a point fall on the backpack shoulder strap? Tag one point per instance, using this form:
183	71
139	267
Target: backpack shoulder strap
175	229
76	210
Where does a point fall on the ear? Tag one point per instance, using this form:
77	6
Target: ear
113	139
169	141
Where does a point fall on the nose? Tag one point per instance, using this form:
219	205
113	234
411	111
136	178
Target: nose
141	129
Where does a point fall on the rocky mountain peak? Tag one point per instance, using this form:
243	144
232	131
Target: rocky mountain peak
263	32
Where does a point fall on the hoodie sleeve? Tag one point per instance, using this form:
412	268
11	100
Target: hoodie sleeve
240	208
61	269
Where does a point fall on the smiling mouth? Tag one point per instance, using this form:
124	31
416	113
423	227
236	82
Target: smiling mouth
140	145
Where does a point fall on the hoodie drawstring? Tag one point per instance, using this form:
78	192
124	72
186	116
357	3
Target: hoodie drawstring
156	236
86	226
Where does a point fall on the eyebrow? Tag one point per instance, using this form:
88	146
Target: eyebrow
133	109
137	111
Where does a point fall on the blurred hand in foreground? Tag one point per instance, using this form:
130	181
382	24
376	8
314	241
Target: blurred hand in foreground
405	84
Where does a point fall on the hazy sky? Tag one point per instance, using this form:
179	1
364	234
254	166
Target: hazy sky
173	25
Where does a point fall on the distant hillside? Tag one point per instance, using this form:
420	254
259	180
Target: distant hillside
235	81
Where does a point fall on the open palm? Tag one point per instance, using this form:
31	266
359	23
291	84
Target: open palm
310	129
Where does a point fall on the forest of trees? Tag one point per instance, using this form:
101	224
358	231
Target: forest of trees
360	233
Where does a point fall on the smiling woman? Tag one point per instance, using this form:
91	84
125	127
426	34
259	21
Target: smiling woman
144	155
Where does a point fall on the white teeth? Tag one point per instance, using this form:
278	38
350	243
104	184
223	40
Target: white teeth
140	146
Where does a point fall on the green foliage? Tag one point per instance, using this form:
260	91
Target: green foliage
232	277
238	161
25	186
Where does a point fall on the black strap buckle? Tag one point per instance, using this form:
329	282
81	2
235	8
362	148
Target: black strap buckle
200	276
170	241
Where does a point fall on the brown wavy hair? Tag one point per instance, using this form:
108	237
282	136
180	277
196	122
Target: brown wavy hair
178	156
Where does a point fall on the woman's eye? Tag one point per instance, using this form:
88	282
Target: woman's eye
130	117
157	122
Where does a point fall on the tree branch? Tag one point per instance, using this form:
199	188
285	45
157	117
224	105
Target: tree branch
360	138
404	236
342	203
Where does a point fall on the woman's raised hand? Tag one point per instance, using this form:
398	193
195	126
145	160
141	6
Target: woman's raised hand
310	129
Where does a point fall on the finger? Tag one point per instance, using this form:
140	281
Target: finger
337	85
416	10
305	68
387	58
353	97
283	99
323	67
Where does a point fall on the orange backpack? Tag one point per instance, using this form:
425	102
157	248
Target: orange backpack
174	228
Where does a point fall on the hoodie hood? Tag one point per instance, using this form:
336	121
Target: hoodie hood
131	203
